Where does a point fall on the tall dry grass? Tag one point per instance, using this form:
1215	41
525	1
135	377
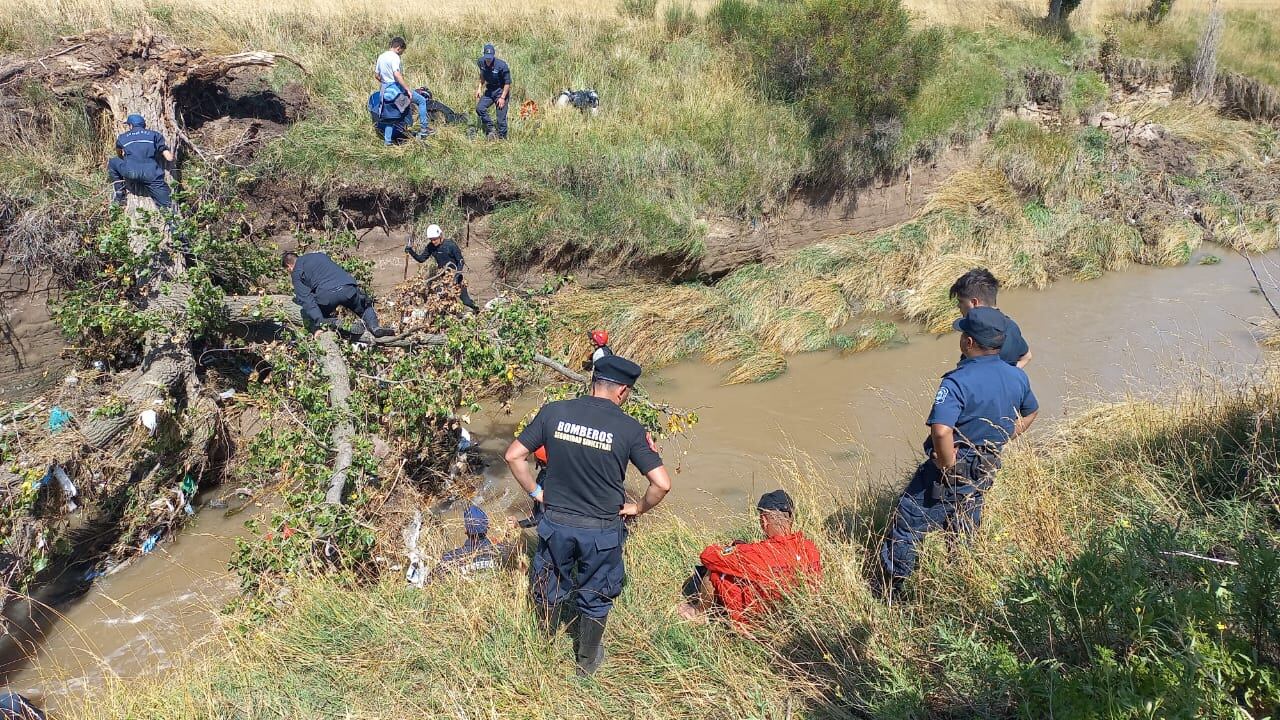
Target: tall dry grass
1135	472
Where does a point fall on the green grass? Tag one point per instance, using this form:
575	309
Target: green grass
685	133
1250	44
1066	598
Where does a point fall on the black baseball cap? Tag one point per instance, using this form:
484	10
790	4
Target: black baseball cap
986	325
617	369
778	500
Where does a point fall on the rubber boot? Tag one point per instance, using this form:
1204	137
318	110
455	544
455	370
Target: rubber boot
589	648
550	618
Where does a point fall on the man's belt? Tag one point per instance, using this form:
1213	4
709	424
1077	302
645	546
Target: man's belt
560	517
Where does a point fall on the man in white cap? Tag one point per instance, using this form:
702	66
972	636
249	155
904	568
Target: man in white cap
448	256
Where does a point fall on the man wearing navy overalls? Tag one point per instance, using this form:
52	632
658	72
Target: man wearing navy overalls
980	406
589	442
140	152
494	89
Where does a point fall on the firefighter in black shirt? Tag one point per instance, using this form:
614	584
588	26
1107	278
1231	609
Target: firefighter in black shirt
589	441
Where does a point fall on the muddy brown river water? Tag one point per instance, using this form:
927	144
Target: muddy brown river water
858	417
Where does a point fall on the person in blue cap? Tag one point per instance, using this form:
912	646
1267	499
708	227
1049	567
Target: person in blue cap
395	88
494	89
589	443
478	553
978	288
140	152
979	407
16	707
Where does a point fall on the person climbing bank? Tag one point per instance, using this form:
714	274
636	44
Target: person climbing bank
979	407
140	152
448	256
395	88
494	90
589	442
978	288
320	286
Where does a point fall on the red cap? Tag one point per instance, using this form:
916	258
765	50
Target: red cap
599	337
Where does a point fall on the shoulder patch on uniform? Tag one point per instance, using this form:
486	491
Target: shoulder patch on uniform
728	550
941	397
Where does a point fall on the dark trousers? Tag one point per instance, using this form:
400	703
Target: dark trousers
463	294
583	562
124	174
931	503
351	298
482	109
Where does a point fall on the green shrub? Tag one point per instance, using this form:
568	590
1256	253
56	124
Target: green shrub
639	9
1158	11
680	19
852	66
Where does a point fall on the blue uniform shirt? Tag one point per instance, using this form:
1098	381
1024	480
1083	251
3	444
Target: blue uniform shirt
494	77
141	145
981	398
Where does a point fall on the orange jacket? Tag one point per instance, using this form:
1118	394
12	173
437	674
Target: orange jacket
749	577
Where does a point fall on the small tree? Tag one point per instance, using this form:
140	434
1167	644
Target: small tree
1204	66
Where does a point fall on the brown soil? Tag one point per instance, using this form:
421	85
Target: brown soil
30	344
813	217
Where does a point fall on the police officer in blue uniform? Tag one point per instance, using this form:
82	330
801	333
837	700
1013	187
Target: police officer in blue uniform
140	152
494	89
320	285
589	442
980	406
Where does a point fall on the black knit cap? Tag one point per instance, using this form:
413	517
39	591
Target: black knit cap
777	500
617	369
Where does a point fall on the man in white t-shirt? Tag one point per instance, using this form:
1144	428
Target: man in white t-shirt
387	70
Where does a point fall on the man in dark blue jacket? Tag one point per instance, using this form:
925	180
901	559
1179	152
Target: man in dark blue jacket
494	89
140	152
448	256
320	285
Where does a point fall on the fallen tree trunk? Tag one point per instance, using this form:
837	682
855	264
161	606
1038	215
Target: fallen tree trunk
335	367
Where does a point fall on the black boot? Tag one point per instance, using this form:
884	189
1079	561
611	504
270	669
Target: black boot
550	618
383	332
589	648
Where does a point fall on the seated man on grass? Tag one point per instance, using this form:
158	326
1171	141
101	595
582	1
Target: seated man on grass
745	578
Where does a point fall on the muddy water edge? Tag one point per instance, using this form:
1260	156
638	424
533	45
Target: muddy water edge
859	418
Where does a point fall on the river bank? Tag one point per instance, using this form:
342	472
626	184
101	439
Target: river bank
854	418
1053	599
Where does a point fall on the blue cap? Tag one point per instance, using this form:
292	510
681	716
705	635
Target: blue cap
986	325
489	52
474	521
135	120
617	369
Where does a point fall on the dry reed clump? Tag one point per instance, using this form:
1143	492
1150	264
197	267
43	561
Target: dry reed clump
1173	246
1199	124
981	188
